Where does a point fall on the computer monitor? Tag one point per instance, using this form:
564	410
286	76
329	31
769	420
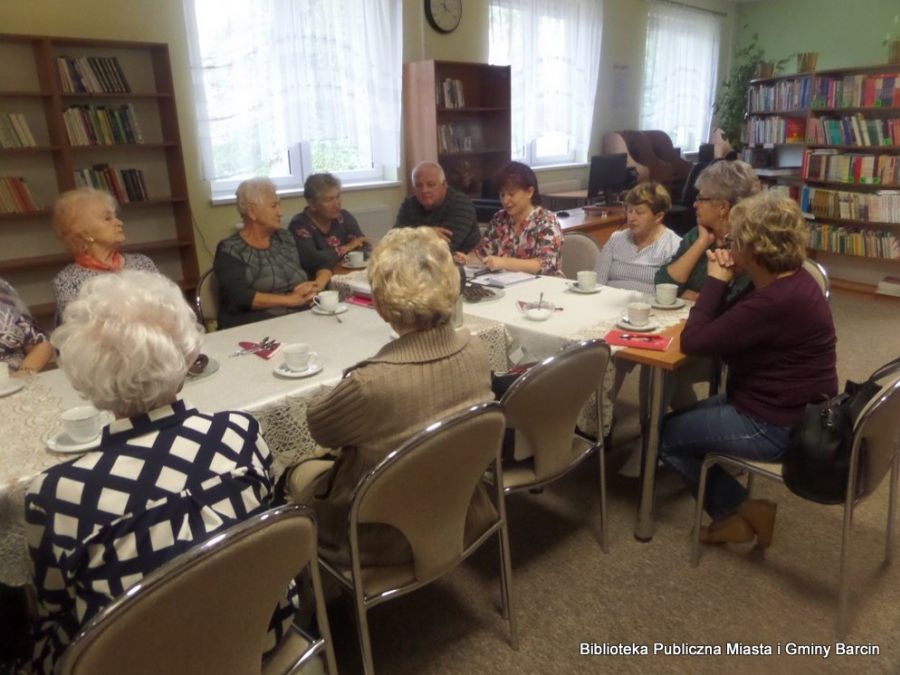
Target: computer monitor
608	175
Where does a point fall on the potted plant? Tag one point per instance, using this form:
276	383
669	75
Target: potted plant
732	97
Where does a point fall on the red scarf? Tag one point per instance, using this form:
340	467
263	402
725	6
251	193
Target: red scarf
92	263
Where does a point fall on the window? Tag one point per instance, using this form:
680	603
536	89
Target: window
681	58
553	50
286	88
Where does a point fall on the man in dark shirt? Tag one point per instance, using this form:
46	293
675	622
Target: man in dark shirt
444	208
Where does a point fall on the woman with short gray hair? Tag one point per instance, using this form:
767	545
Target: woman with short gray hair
720	186
258	268
163	478
325	232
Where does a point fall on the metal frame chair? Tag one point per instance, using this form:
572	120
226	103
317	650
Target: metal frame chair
543	407
874	451
424	489
208	610
820	274
579	252
206	298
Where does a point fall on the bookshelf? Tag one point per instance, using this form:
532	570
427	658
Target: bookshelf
457	114
118	130
842	127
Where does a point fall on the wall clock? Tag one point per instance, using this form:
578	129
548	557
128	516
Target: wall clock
443	15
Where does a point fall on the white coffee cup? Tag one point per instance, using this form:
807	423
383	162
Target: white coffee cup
638	313
4	373
82	424
355	258
327	300
666	293
587	280
296	356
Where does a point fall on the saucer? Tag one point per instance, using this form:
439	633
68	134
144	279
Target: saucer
340	309
348	266
678	304
573	286
646	328
11	387
539	317
315	366
61	442
211	369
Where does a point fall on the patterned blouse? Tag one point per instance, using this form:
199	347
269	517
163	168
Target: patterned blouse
68	282
159	484
540	238
18	329
623	265
319	250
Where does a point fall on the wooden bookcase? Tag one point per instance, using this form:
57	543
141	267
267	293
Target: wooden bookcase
160	227
457	114
789	114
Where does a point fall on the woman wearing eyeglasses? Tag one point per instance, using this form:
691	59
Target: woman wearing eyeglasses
779	344
720	186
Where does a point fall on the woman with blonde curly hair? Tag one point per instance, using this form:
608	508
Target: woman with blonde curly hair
779	344
428	373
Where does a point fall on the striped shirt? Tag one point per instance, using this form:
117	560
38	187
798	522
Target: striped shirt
623	265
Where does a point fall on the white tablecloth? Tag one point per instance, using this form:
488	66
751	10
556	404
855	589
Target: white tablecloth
246	383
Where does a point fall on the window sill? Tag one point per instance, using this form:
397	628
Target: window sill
223	200
557	167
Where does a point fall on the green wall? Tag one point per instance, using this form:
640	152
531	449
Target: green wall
845	33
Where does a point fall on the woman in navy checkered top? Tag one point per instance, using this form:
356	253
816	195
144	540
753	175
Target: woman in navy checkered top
164	477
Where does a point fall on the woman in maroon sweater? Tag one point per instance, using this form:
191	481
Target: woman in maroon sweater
779	344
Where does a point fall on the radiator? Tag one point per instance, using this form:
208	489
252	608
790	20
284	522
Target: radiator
560	186
375	221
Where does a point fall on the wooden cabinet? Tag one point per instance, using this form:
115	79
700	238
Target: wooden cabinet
458	114
843	129
158	223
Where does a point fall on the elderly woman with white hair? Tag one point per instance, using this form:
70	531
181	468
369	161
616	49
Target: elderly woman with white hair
164	477
429	372
258	268
87	223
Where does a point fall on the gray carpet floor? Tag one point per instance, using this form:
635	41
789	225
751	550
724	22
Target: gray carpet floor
568	592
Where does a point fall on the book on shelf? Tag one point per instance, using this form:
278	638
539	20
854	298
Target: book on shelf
889	286
126	185
16	196
855	168
450	94
102	125
15	132
853	130
94	75
846	240
857	91
882	206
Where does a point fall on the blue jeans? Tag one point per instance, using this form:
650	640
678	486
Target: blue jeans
715	426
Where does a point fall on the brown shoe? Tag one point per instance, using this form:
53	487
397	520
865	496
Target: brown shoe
760	515
731	529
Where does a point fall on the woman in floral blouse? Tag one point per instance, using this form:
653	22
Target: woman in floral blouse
522	237
23	345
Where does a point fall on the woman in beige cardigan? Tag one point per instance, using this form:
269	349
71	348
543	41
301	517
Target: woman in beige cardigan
430	372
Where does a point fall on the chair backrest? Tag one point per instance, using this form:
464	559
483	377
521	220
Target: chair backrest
608	173
206	300
820	274
205	611
544	403
579	252
425	486
876	435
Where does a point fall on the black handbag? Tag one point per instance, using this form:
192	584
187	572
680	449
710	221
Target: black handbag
816	465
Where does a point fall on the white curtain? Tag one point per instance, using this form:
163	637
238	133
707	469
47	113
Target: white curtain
553	48
270	73
680	63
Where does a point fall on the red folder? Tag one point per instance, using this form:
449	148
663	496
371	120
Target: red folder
652	341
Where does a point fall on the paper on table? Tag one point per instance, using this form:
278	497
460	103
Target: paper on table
359	286
622	338
503	279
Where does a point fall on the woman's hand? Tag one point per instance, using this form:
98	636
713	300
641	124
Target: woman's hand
719	264
494	263
707	236
355	243
302	294
460	258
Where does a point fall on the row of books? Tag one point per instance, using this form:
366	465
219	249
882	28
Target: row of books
16	197
782	95
102	125
854	241
829	165
126	185
876	207
449	93
767	130
856	91
460	137
853	130
91	74
15	132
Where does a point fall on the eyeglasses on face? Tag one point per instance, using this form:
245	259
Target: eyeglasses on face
698	198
